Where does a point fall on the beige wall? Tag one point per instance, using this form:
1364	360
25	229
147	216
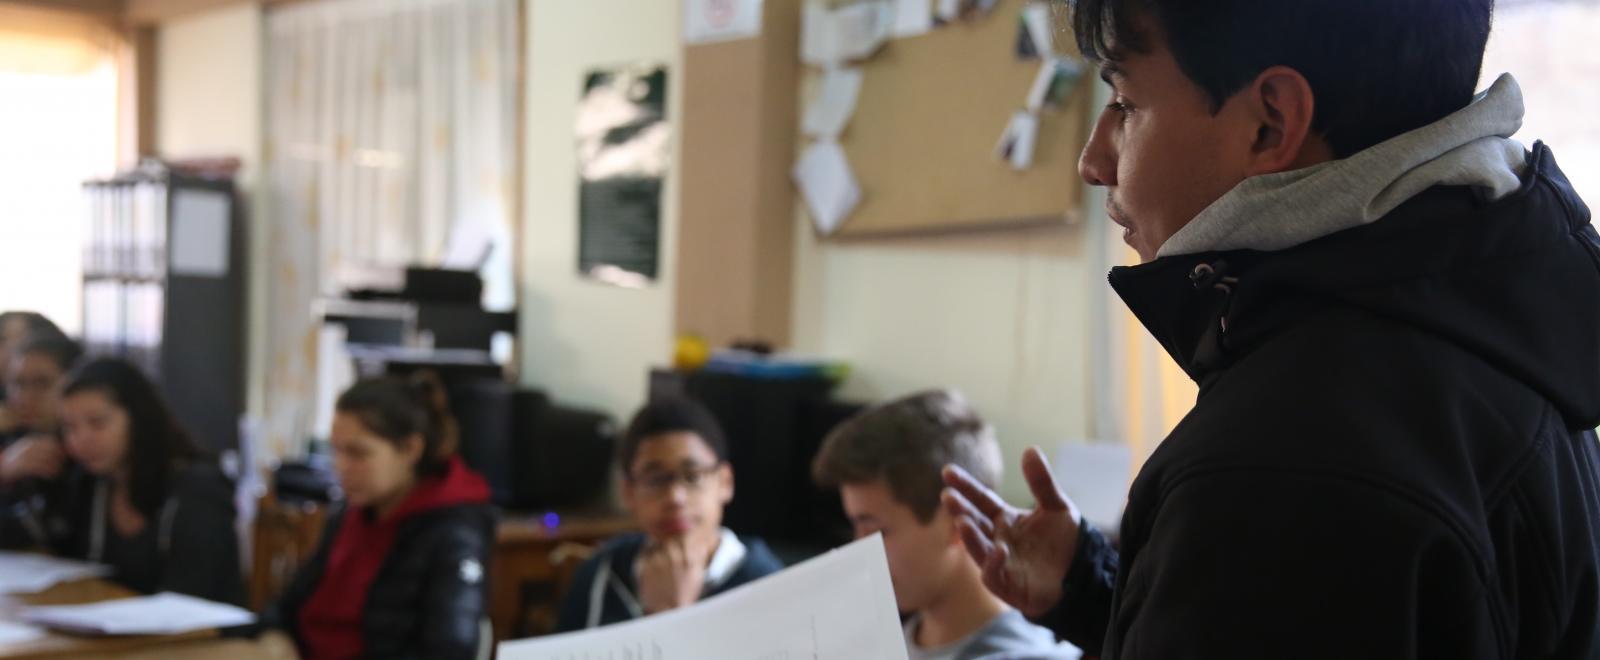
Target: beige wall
1004	317
208	86
588	344
208	103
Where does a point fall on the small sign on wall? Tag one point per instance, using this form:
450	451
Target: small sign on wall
710	21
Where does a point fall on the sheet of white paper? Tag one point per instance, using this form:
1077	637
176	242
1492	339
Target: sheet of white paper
838	606
27	573
1036	16
200	233
1096	475
19	633
827	184
1016	143
912	18
830	111
709	21
816	35
949	10
859	30
161	614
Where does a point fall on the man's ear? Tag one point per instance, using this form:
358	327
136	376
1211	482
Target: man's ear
1282	105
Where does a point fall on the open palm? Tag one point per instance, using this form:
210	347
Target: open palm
1024	553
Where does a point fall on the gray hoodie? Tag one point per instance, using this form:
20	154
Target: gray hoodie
1472	147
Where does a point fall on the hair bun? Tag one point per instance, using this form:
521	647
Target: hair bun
434	400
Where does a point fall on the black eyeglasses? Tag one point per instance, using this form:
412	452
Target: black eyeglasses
656	483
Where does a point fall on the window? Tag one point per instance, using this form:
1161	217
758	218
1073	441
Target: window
58	127
1549	46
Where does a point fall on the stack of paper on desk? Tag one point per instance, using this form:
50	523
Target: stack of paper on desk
25	573
161	614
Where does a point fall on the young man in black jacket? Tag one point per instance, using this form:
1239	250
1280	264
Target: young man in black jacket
676	480
1393	314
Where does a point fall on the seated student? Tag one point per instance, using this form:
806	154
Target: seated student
400	570
141	497
16	329
31	449
886	463
676	481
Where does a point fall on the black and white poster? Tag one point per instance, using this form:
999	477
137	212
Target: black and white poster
624	151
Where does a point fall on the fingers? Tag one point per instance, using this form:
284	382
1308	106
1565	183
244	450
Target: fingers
677	552
995	576
958	507
986	501
1041	482
978	544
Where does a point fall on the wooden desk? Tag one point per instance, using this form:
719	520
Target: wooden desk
61	646
533	564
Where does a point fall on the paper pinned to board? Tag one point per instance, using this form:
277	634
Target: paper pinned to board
1017	142
830	37
162	614
711	21
949	10
831	110
827	184
1096	475
28	573
912	18
1036	19
1042	82
839	606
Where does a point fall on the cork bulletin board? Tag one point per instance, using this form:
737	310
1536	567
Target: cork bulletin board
930	112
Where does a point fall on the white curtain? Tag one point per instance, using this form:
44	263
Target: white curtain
390	140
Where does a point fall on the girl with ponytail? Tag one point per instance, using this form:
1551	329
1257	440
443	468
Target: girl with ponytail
401	569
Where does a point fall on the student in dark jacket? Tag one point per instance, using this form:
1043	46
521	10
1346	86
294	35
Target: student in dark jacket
140	497
676	481
401	571
1393	314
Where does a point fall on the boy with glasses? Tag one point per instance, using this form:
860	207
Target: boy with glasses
675	481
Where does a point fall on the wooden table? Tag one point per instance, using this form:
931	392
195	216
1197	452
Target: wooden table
533	563
61	646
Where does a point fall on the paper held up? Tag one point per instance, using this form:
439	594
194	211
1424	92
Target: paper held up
827	184
839	606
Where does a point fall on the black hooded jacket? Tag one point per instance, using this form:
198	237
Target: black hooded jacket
1391	455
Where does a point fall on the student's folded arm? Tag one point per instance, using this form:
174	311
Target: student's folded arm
455	595
1307	564
1085	608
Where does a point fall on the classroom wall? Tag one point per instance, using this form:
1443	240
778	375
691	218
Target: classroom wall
1004	317
586	343
209	81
